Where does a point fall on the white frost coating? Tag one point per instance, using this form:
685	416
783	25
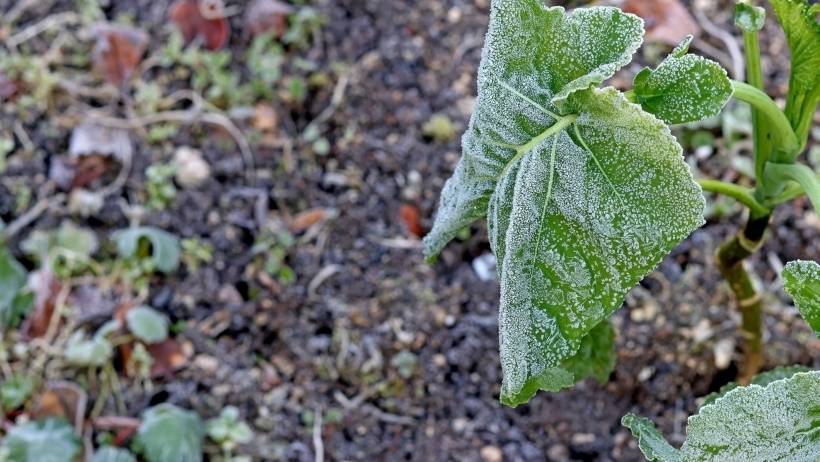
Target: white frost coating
779	422
802	281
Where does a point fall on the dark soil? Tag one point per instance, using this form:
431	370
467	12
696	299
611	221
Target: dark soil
401	357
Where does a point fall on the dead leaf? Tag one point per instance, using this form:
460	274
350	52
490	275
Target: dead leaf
306	219
118	51
211	28
411	219
91	138
265	118
169	356
45	287
8	88
267	15
63	400
667	21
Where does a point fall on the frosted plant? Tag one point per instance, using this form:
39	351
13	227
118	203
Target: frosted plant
585	190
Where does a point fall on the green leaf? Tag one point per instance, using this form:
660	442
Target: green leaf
762	379
803	35
15	299
749	18
83	352
169	433
538	52
165	247
683	88
15	391
651	443
112	454
595	358
801	279
147	324
48	441
598	195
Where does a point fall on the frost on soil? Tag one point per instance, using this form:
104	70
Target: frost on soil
576	215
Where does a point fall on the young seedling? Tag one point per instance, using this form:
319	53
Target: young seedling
585	190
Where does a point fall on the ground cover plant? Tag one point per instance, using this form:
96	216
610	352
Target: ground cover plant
585	190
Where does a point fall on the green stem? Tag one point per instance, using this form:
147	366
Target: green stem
799	173
754	76
743	195
779	124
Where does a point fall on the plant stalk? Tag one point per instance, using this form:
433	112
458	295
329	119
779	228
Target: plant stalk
754	76
778	123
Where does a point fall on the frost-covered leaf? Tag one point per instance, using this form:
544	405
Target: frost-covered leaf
165	247
69	245
801	280
147	324
534	51
778	422
749	18
683	88
595	358
598	194
15	299
802	30
762	379
15	391
112	454
651	443
48	441
83	352
170	433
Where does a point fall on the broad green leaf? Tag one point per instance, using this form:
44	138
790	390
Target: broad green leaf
683	88
15	391
651	443
749	18
801	280
15	299
170	433
165	247
802	30
532	53
762	379
83	352
147	324
778	422
48	441
228	429
112	454
597	195
595	358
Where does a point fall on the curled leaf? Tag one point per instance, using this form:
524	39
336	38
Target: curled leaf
264	16
749	18
212	30
165	247
118	51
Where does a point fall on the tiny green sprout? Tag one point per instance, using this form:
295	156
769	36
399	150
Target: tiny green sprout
160	185
229	431
67	250
6	147
196	252
16	300
147	324
585	191
271	250
15	391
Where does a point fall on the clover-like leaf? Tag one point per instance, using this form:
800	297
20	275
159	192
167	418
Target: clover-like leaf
165	247
112	454
47	441
15	298
169	433
650	441
799	21
801	279
749	18
581	205
773	423
683	88
147	324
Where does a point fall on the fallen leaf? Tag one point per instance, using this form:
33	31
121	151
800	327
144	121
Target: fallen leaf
411	219
45	287
263	16
118	51
64	400
8	87
88	169
265	118
667	21
212	29
169	356
91	138
306	219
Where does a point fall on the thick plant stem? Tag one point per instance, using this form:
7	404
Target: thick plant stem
731	260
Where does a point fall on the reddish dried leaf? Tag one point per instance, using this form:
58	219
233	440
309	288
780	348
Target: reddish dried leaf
89	169
411	219
45	287
169	356
122	427
8	88
213	30
118	51
267	15
265	118
63	400
667	21
306	219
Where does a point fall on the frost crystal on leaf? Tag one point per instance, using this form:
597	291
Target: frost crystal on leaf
802	281
584	192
